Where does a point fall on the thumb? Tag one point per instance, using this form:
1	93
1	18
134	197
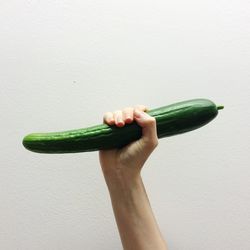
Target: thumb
149	129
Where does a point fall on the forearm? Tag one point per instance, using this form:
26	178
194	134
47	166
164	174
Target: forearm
134	216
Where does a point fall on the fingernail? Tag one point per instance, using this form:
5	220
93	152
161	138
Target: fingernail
128	120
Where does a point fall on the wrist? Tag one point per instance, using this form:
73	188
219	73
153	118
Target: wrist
118	181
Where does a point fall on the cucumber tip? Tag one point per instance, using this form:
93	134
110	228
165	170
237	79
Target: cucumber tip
220	107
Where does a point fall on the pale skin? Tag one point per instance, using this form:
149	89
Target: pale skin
121	168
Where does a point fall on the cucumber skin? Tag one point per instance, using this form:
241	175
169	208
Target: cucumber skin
171	120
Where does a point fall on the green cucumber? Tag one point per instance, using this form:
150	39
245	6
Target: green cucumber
171	120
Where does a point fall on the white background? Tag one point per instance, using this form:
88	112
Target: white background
64	63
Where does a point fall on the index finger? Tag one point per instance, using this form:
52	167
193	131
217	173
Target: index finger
141	107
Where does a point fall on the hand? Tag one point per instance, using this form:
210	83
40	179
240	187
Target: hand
128	161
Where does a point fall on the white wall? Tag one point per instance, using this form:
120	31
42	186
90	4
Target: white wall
64	63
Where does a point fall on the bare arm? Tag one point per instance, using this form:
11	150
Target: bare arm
136	223
134	217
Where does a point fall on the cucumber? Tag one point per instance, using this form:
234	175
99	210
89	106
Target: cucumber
171	120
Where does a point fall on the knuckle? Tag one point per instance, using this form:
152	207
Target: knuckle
151	121
128	109
106	113
141	107
117	112
108	117
105	116
153	144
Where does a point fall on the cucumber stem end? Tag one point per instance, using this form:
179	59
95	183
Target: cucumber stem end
220	107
